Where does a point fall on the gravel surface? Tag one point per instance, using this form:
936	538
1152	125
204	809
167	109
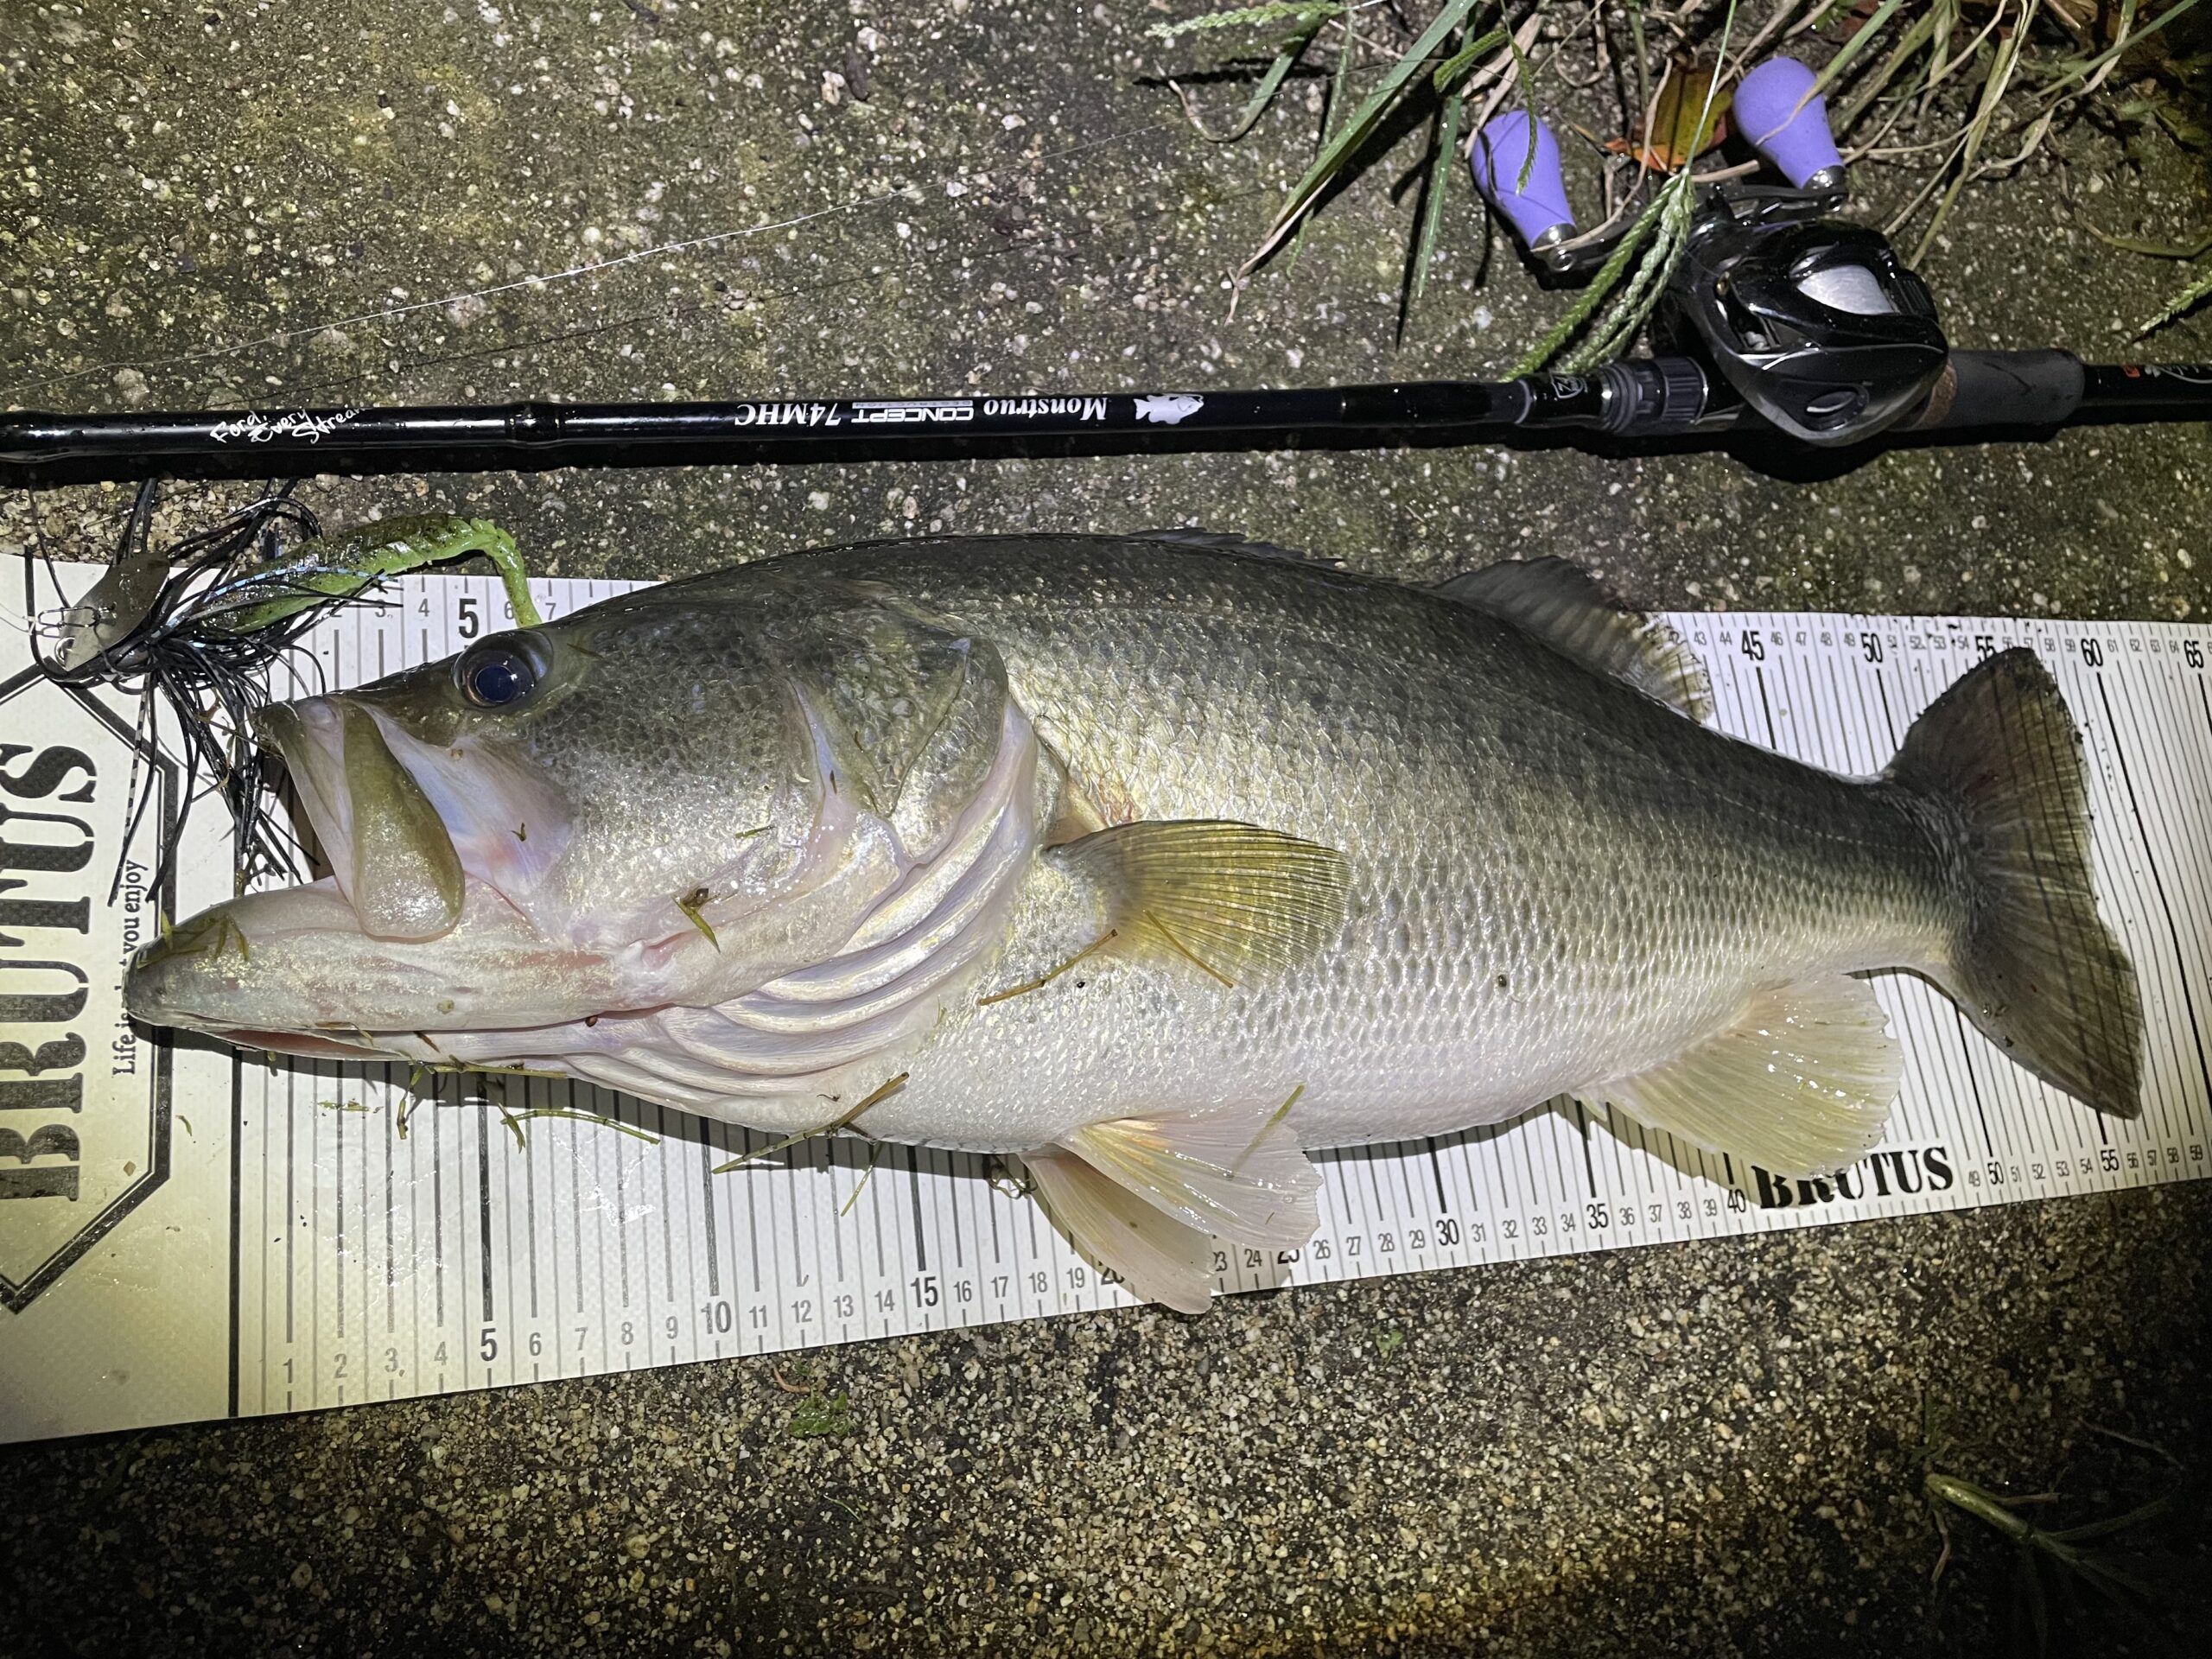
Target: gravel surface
1707	1448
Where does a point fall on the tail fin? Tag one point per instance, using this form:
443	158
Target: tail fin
2033	966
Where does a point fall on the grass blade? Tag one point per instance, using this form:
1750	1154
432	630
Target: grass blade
1355	132
2188	299
1464	59
1316	12
1591	298
1916	37
1852	47
1440	178
2001	70
1262	95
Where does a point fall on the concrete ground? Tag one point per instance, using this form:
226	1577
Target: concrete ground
1711	1448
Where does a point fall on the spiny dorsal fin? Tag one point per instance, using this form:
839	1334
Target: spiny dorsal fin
1800	1085
1577	616
1231	898
1227	542
1143	1195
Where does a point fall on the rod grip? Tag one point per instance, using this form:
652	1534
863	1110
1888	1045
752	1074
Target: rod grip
2001	389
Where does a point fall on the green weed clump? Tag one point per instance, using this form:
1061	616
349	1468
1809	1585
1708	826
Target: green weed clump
2007	73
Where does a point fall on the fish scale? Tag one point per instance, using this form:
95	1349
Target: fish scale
1420	738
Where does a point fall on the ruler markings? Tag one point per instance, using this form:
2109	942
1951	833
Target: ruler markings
2173	932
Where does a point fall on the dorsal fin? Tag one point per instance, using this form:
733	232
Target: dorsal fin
1577	616
1228	542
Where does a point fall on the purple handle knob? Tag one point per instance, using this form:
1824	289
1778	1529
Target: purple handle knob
1787	121
1537	209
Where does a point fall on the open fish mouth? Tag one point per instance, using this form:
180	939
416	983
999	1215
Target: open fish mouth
407	827
434	855
388	847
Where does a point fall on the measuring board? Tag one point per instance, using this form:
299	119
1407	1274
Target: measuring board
198	1234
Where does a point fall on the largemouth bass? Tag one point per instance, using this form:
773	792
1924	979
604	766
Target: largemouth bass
1155	862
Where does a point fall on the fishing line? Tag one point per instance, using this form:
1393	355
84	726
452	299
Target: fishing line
539	280
979	252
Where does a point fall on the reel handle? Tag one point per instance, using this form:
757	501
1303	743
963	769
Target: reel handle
1535	207
1787	121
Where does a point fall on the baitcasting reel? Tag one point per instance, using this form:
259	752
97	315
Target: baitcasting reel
1815	324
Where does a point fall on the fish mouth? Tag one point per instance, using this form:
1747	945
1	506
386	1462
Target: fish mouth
387	845
437	860
407	827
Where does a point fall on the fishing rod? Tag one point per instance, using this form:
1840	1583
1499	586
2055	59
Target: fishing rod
1972	393
1789	323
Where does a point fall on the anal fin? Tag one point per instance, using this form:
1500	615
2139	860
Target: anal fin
1577	616
1146	1196
1800	1085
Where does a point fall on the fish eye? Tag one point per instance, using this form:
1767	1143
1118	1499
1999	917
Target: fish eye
495	675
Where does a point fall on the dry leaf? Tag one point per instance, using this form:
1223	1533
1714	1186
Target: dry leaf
1674	122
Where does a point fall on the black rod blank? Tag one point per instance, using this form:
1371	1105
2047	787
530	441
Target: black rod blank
1636	398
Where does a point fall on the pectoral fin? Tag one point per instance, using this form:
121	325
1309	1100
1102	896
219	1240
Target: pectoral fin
1144	1196
1576	615
1800	1085
1231	898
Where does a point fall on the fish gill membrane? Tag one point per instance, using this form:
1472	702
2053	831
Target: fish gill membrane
1155	862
